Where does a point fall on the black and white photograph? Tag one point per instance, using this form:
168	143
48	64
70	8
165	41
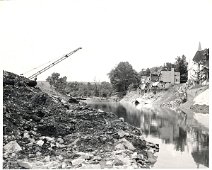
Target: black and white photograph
105	84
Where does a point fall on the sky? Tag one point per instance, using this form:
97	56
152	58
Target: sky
146	33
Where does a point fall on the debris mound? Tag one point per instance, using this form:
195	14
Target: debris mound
41	132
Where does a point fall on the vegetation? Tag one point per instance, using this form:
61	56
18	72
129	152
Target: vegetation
123	76
75	89
182	66
103	89
58	82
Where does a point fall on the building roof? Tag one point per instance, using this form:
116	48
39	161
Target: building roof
202	57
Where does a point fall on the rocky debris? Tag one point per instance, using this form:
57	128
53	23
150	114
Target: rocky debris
200	108
39	132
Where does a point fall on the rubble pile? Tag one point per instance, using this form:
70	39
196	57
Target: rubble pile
43	132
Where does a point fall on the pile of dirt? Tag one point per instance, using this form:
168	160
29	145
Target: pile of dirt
41	131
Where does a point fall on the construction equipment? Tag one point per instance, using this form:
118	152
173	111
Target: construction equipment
53	64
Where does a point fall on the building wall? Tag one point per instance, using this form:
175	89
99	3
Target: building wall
165	76
170	77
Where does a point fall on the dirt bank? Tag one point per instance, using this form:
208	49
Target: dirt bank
42	131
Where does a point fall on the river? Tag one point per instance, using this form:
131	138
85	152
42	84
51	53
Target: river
183	143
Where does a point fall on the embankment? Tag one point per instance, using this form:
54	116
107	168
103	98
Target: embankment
192	101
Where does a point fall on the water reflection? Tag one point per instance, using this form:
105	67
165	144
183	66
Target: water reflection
168	126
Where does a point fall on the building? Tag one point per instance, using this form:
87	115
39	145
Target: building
154	77
198	67
171	77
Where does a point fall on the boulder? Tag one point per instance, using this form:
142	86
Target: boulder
120	146
134	155
64	165
122	119
47	138
24	164
12	147
127	144
60	140
118	162
121	133
40	143
77	161
151	158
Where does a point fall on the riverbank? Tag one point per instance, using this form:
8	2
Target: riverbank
195	106
44	131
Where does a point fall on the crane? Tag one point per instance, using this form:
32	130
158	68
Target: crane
34	76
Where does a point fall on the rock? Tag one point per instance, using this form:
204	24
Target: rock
60	145
140	156
47	138
109	163
87	156
134	155
63	101
125	159
32	140
31	155
100	111
60	140
38	153
77	161
122	119
12	147
98	158
127	144
60	157
64	165
13	154
120	146
47	158
40	143
24	164
151	158
118	162
121	133
91	166
26	135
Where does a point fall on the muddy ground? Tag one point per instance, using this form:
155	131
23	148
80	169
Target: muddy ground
45	131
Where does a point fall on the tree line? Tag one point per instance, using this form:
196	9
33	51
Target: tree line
77	89
122	78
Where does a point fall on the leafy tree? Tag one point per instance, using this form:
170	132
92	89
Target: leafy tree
53	78
144	72
122	76
168	66
182	67
155	69
58	82
105	89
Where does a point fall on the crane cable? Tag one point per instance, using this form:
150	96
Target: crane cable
50	61
35	68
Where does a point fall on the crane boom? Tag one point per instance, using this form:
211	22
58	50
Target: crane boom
52	64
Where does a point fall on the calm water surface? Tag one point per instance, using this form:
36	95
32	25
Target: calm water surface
183	143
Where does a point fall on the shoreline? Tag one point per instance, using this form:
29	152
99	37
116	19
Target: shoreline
169	100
